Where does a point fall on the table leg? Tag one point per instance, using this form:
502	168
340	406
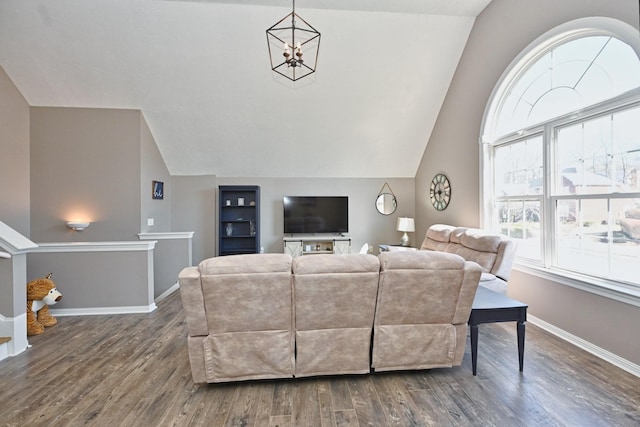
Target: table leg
521	331
474	347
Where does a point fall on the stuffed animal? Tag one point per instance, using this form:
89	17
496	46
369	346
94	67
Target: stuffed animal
40	294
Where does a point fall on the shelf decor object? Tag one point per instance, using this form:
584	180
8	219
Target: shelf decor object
406	225
238	221
293	42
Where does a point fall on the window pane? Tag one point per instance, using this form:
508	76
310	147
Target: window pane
626	241
520	220
571	76
518	168
599	156
595	237
625	162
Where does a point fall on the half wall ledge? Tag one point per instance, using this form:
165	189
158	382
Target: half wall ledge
97	278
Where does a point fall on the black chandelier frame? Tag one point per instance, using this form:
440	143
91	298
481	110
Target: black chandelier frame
293	67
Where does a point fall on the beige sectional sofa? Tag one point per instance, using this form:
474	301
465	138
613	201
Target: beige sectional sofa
495	253
263	316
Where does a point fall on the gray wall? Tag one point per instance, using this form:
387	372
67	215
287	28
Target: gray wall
194	209
14	157
98	165
153	168
500	33
96	280
14	190
366	225
85	164
170	257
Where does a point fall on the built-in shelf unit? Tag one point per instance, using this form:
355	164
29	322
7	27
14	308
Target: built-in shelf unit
238	219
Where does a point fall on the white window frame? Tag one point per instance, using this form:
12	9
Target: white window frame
621	291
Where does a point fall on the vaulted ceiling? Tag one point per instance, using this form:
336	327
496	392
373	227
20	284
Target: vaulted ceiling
199	71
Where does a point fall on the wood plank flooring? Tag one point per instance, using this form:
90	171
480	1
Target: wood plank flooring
132	370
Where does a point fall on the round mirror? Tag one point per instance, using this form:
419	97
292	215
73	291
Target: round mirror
386	203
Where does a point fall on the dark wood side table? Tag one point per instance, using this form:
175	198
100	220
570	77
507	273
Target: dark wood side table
490	307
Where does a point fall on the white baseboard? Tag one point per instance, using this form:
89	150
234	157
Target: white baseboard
168	292
97	311
603	354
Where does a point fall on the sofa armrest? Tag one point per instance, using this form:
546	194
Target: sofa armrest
504	262
472	273
193	301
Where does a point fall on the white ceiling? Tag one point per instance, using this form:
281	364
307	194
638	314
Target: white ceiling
199	71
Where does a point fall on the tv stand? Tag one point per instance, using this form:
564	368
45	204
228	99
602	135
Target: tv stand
311	244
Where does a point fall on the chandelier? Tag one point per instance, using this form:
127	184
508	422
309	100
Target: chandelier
293	48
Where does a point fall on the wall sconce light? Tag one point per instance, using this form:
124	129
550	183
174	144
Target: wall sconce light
77	225
406	225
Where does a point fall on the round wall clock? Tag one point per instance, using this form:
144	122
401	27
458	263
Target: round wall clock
440	191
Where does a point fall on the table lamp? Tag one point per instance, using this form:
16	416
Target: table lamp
405	225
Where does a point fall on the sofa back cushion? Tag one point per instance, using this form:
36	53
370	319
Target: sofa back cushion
335	291
437	238
493	252
247	292
420	287
477	246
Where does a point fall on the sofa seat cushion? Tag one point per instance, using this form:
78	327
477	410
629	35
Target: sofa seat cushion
493	283
487	277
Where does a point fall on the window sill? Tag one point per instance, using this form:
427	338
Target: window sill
618	291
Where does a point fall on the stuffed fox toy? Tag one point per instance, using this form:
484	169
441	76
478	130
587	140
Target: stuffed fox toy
40	294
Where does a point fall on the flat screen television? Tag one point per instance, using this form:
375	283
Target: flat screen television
309	215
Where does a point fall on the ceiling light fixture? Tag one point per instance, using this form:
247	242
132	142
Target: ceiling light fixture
293	42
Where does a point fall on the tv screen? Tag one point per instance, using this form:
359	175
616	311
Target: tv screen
324	214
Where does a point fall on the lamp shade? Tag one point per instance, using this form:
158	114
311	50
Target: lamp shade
406	224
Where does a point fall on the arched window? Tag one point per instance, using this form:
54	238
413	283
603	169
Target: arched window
561	152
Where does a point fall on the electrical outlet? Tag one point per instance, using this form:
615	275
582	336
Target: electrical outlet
149	222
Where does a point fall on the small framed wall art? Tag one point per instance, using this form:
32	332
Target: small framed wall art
157	190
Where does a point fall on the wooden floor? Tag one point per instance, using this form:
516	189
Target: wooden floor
132	370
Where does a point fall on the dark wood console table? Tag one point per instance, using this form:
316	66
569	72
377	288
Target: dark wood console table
491	307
